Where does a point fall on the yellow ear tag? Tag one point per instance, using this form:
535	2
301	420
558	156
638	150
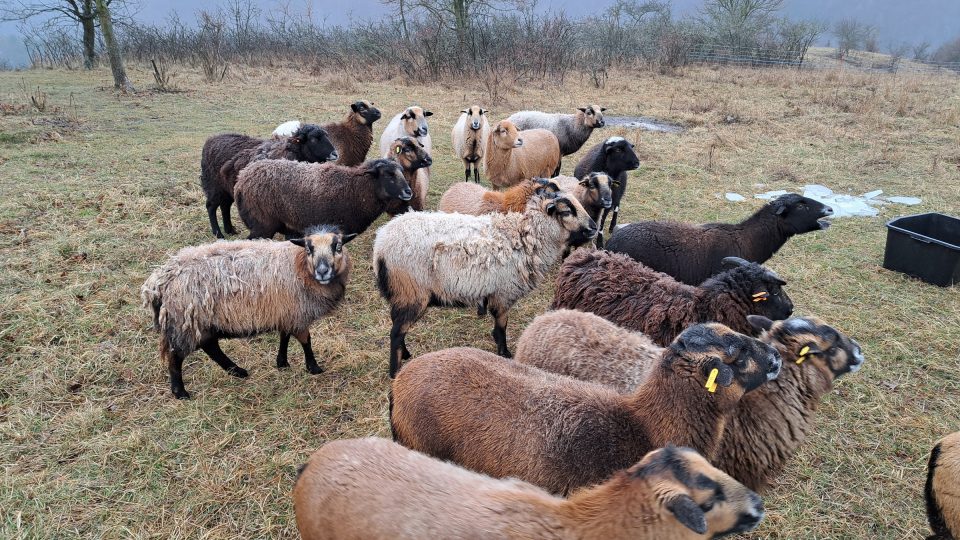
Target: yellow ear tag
711	385
398	149
760	296
803	354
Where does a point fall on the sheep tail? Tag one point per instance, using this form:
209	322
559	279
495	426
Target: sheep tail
383	279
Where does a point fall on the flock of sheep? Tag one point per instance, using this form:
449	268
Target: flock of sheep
669	381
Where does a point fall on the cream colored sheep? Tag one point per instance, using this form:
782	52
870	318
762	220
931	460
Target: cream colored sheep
469	138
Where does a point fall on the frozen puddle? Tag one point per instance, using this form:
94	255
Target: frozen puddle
843	205
645	123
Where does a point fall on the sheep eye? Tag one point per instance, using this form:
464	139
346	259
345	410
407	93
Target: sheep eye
707	506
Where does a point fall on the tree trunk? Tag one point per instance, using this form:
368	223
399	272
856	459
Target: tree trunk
89	41
113	49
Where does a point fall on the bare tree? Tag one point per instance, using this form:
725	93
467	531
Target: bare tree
921	51
850	34
796	37
120	79
68	12
948	52
738	23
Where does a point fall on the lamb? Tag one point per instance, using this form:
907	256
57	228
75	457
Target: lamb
412	158
434	258
769	424
615	156
594	191
940	491
628	293
692	253
476	200
412	122
512	156
243	288
352	137
287	196
571	130
469	138
373	488
225	155
507	419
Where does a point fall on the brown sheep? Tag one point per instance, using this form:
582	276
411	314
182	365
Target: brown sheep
354	135
594	191
513	156
508	419
376	489
769	425
412	158
476	200
942	498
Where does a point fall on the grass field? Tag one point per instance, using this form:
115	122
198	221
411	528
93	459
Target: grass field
101	187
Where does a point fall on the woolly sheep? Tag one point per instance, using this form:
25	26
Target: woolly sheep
628	293
692	253
512	156
469	138
376	489
225	155
512	420
412	158
412	122
940	492
352	137
476	200
434	258
770	423
243	288
571	130
287	197
614	156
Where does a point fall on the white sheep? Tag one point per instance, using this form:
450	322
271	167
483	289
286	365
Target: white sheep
469	138
412	122
572	130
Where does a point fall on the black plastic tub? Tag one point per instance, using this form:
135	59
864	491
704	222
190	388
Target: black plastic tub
926	246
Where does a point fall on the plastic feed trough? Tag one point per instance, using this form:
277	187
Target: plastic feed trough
926	246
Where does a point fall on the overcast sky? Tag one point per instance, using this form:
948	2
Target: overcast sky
911	21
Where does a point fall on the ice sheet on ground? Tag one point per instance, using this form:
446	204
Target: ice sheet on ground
770	195
909	201
735	197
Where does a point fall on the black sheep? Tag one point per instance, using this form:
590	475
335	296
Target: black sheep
692	253
225	155
614	156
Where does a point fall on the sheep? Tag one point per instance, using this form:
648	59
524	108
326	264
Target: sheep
571	130
940	492
225	155
434	258
412	158
373	488
769	424
352	137
242	288
412	122
692	253
614	156
512	156
287	196
628	293
512	420
469	138
594	191
476	200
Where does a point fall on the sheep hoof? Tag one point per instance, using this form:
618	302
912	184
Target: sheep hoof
315	369
230	230
181	393
238	371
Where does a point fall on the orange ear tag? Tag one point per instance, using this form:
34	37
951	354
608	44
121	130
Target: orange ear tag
760	296
711	385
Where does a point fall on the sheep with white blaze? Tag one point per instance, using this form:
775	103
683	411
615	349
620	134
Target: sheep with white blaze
614	156
469	138
571	130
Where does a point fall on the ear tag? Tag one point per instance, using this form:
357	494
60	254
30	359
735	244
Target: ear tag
711	385
760	296
803	354
398	149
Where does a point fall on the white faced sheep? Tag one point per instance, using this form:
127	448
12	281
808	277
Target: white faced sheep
433	258
412	122
476	200
412	159
469	138
512	420
571	130
512	156
287	197
940	492
628	293
225	155
769	424
243	288
692	253
615	156
352	137
376	489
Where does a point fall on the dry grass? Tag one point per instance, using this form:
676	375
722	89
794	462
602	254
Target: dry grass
93	445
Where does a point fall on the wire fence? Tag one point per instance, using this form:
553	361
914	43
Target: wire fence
816	58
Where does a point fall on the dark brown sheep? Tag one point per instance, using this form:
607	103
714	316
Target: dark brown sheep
354	135
279	196
507	419
412	157
692	253
628	293
225	155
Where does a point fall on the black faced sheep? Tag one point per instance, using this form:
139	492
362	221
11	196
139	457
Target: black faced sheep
571	130
242	288
628	293
412	159
378	490
275	196
943	477
770	423
511	420
434	258
469	138
513	156
615	156
352	137
225	155
692	253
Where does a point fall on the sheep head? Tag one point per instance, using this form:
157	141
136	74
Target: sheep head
592	116
506	136
620	155
365	112
809	340
410	154
388	176
474	116
325	256
754	286
312	143
799	214
570	214
699	496
414	121
599	188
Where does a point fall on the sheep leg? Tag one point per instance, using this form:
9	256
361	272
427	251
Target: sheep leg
212	213
312	366
213	350
476	172
466	173
500	330
403	318
282	352
175	366
603	218
613	220
227	223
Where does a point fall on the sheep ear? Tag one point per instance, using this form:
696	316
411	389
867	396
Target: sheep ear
483	111
302	242
733	262
724	372
427	113
759	322
582	109
688	513
585	181
779	208
551	208
602	109
348	237
465	111
353	107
